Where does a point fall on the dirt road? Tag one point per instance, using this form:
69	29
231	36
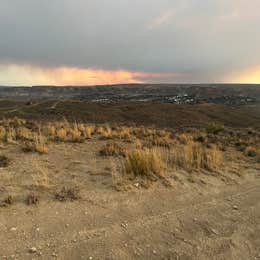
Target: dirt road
159	223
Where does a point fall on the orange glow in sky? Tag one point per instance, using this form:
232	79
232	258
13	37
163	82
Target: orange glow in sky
30	75
251	75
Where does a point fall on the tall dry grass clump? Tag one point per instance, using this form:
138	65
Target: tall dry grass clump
39	144
74	134
123	133
195	156
11	135
86	130
24	133
61	134
144	163
50	131
2	133
105	132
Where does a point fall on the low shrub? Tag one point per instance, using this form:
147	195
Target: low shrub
68	193
215	128
4	161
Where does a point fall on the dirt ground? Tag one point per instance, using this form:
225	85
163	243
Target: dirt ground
199	216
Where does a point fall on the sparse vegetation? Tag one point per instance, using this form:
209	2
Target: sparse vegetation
251	151
112	149
68	193
144	163
4	161
37	145
149	154
214	128
32	199
195	156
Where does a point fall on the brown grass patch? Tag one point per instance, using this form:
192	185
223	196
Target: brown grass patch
251	151
144	163
39	144
112	149
195	156
68	193
32	199
215	128
4	161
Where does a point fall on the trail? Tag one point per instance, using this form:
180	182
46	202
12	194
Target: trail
159	224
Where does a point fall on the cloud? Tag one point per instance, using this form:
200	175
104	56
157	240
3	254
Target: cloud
200	41
31	75
161	20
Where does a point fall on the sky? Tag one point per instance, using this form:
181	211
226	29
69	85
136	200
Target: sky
86	42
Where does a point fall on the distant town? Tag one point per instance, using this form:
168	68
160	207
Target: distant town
165	93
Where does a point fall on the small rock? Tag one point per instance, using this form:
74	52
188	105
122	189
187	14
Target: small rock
154	252
214	231
124	225
54	254
137	185
90	258
235	207
33	250
13	229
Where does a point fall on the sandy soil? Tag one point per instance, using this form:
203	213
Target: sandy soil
200	216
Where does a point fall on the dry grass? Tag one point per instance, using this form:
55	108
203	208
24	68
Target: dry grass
188	149
158	142
4	161
2	133
32	199
195	156
87	130
144	163
105	132
9	200
251	151
61	134
184	138
39	144
68	193
11	135
215	128
40	176
112	149
74	134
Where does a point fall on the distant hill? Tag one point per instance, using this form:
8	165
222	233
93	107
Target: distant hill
142	92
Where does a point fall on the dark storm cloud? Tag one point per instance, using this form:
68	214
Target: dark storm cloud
201	40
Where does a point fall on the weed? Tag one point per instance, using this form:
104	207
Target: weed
32	199
68	193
